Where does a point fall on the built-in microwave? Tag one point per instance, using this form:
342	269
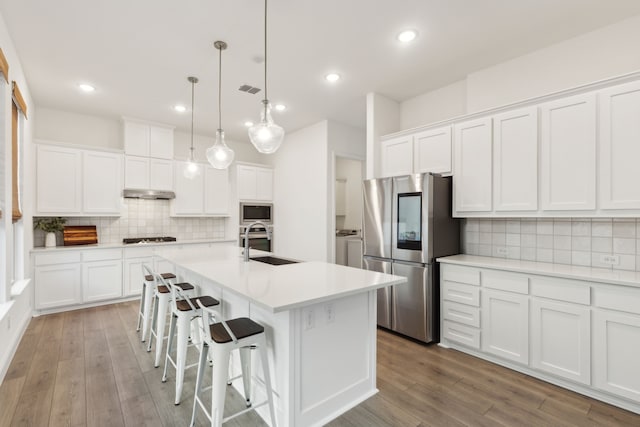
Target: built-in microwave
250	212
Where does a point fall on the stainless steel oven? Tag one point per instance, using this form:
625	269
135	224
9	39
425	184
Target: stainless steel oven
251	212
257	238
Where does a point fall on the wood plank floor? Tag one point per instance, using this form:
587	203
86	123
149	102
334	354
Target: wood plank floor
89	368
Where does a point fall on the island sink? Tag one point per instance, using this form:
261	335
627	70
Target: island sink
273	260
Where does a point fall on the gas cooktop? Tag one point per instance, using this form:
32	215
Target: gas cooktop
132	240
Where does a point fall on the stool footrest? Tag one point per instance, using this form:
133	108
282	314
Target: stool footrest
244	411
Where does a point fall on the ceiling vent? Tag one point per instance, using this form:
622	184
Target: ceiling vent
250	89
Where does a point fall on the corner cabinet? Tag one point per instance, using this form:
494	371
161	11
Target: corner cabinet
254	182
205	195
77	182
472	166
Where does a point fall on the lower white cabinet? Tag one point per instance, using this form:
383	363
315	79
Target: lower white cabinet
57	285
561	339
101	275
505	325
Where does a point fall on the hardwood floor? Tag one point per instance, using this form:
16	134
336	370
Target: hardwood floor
89	368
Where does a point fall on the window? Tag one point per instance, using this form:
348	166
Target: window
18	106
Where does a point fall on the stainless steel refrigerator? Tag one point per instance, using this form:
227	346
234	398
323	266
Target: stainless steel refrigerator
407	224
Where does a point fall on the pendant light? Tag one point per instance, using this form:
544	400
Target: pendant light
192	169
219	155
266	136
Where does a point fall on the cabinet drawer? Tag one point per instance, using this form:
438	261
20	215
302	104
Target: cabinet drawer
617	298
58	258
509	282
561	290
462	334
456	273
102	255
138	252
463	294
461	313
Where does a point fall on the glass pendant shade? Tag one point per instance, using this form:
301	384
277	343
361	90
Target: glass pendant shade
219	155
191	168
266	136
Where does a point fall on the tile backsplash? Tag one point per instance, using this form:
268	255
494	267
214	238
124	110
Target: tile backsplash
574	241
145	218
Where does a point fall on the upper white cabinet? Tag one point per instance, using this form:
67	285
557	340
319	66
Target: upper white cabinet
425	151
396	156
568	153
77	182
148	140
204	195
254	182
148	173
515	160
619	147
59	184
472	166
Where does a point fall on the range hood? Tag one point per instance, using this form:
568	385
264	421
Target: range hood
148	194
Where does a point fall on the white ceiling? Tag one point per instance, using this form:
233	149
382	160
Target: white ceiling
138	53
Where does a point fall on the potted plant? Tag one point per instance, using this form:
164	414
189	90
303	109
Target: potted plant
50	226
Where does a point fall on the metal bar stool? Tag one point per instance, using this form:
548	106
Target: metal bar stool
146	298
222	338
159	310
183	311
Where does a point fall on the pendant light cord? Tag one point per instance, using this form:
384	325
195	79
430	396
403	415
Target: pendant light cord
266	98
220	89
193	85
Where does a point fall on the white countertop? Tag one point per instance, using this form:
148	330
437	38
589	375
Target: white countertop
277	288
131	245
602	275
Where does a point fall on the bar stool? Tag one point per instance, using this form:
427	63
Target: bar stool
159	310
144	311
183	311
222	338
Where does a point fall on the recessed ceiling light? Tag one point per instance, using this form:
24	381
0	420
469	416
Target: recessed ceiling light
332	77
407	35
248	123
280	107
86	87
180	108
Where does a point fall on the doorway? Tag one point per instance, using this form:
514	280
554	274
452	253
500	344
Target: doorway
347	210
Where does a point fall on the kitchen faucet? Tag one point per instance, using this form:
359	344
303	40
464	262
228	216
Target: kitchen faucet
246	237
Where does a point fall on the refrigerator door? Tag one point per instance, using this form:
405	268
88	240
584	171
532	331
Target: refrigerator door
412	303
412	216
376	223
384	294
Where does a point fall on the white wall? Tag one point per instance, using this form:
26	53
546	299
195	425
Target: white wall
14	315
300	194
79	129
351	171
440	104
383	117
605	52
244	151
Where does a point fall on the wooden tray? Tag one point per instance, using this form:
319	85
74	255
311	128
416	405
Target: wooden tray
80	235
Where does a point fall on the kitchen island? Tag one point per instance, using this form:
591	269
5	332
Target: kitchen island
320	321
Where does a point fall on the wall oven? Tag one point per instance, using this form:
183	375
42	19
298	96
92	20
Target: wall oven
251	212
257	238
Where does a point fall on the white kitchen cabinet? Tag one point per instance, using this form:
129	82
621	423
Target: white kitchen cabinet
101	280
396	156
59	180
57	279
102	183
619	124
133	280
432	151
148	140
472	166
515	160
561	339
568	153
205	195
505	325
254	182
144	173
